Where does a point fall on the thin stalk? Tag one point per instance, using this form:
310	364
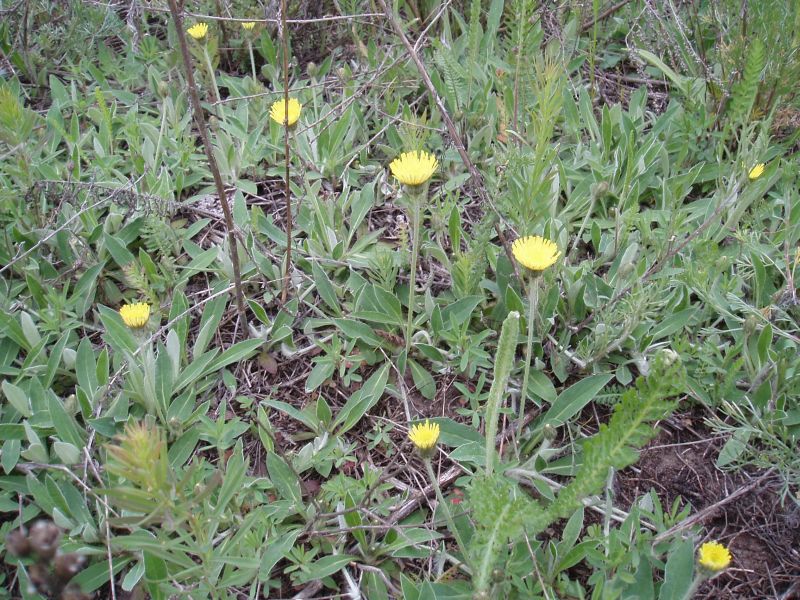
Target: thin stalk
699	579
451	524
412	278
285	43
252	59
533	300
212	162
211	74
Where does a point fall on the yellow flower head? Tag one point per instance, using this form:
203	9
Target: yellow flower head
280	112
424	435
714	556
248	26
135	315
414	168
198	31
756	171
535	252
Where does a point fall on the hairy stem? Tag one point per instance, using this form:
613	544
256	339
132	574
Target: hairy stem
252	59
533	301
451	524
211	74
412	278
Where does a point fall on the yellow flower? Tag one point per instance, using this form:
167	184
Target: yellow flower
135	315
756	171
424	435
198	31
535	252
414	168
248	26
714	556
279	112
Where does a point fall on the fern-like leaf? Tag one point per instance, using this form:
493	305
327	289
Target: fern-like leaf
745	91
615	445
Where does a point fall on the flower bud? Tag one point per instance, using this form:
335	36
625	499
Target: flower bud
600	189
750	324
669	356
163	89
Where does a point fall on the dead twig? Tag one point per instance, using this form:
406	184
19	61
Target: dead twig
212	163
285	44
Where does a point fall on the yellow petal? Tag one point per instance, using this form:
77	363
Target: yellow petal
414	168
280	113
534	252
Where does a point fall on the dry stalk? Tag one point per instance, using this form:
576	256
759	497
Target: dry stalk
212	163
285	44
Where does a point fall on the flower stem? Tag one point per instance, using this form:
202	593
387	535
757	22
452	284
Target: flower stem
533	301
252	60
210	68
694	587
412	278
451	524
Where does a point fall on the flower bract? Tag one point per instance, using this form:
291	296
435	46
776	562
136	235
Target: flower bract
135	315
714	556
756	171
198	31
248	26
280	113
535	252
414	168
424	435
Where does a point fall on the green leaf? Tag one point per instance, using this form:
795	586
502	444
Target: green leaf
353	519
198	264
358	330
118	250
325	288
461	310
235	471
67	453
572	400
456	434
209	322
361	401
678	572
17	398
325	566
733	448
277	549
117	334
64	423
423	380
96	575
284	479
236	353
86	367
